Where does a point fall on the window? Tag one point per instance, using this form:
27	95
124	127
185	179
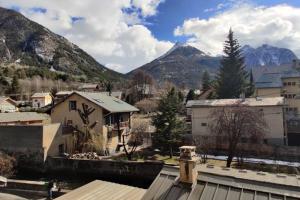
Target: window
72	105
289	83
203	124
69	122
293	83
285	84
61	149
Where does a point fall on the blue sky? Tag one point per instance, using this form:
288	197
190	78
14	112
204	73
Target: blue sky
172	13
125	34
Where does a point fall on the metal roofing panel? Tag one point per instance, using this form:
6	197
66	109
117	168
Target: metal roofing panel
102	190
234	194
109	103
209	191
222	192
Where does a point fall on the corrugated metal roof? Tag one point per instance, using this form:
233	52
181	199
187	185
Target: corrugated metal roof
102	190
22	116
109	103
266	101
224	184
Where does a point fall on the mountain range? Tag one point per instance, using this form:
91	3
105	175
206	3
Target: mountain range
28	43
184	64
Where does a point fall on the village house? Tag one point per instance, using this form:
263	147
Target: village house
282	84
271	109
42	99
191	181
111	116
90	88
7	105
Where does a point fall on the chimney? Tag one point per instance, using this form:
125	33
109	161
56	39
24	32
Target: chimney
187	164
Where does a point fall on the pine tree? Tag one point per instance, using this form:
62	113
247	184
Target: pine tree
251	87
205	81
231	79
14	87
168	126
191	95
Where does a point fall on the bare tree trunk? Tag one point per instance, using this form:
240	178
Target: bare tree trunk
171	151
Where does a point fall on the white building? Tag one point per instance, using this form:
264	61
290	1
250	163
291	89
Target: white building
271	108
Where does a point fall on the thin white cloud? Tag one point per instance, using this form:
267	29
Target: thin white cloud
110	30
255	25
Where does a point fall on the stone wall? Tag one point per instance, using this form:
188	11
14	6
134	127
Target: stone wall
147	170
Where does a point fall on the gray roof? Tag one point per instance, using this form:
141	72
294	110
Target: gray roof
223	184
259	101
109	103
274	80
102	190
114	93
40	94
22	117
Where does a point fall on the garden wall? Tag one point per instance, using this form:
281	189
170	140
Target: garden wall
129	170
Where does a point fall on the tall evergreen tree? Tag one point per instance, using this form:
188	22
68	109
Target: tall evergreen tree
231	79
205	81
168	126
14	87
191	95
251	87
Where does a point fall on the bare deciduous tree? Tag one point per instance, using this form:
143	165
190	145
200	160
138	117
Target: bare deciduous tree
142	84
234	124
136	137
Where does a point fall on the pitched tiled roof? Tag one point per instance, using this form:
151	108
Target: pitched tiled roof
2	99
266	101
22	116
102	190
223	183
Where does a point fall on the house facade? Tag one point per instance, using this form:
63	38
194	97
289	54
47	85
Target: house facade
7	105
271	108
40	100
111	117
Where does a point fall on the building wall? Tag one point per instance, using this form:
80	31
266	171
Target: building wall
268	92
21	138
5	106
273	116
62	114
291	88
43	139
41	101
53	138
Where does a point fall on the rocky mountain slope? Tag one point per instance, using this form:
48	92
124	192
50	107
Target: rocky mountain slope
267	55
28	43
184	64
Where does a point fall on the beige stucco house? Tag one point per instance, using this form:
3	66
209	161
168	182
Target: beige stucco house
272	109
40	100
7	105
108	110
285	84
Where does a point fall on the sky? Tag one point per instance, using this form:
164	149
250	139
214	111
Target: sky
125	34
